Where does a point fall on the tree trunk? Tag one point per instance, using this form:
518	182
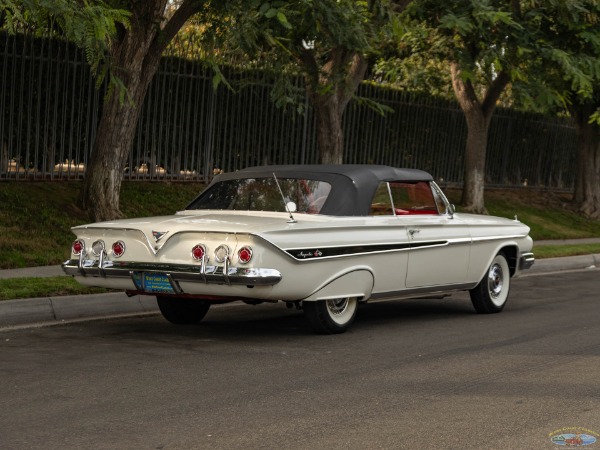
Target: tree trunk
587	178
330	135
330	88
104	174
478	115
475	153
135	57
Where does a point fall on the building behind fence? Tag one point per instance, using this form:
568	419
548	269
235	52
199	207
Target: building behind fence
50	107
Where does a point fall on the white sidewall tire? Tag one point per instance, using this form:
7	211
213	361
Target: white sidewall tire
491	294
499	281
342	311
331	316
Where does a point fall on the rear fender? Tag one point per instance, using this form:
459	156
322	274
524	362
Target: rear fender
357	282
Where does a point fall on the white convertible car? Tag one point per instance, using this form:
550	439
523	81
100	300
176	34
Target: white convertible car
323	238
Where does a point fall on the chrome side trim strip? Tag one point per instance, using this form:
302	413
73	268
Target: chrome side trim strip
496	238
419	292
246	276
330	252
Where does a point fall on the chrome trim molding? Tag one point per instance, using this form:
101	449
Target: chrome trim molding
176	272
419	292
496	238
341	251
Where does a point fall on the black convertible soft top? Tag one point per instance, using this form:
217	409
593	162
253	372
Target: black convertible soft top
352	185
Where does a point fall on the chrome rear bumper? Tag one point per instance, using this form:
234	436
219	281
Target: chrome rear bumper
178	272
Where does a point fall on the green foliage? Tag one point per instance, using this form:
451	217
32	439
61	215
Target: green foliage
566	66
314	37
483	37
550	48
91	25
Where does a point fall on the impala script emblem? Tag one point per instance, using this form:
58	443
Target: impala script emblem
158	235
310	254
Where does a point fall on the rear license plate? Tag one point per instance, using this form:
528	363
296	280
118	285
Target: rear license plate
155	283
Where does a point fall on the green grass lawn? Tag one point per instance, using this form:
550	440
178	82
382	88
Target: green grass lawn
16	288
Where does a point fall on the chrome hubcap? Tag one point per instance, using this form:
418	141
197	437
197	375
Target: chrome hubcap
337	306
495	280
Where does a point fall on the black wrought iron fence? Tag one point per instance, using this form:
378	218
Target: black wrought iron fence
50	106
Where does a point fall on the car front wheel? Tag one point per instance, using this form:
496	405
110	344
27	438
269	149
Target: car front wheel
491	293
182	311
331	316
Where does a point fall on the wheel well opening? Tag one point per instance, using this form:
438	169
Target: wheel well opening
511	257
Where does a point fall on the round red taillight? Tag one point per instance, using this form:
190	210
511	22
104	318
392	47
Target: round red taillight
77	247
118	248
198	252
245	255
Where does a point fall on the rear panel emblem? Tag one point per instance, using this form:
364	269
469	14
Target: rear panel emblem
158	235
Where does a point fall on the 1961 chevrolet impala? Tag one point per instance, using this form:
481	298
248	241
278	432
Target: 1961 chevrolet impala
321	237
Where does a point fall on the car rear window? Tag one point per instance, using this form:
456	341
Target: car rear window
262	194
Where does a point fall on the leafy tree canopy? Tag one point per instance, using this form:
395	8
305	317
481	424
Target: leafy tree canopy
91	25
566	66
315	37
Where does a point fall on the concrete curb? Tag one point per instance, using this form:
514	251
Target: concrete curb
54	310
68	308
550	265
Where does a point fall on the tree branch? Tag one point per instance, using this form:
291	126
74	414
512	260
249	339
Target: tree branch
355	74
465	93
187	9
493	93
309	62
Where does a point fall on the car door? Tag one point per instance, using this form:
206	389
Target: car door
439	252
389	265
440	243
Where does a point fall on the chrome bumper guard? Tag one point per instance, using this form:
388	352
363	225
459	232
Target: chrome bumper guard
177	272
526	261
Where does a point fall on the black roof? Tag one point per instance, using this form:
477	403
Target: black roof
352	185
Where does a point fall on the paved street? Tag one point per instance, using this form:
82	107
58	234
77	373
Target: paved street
416	374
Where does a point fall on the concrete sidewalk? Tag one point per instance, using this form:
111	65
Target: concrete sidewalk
32	272
53	310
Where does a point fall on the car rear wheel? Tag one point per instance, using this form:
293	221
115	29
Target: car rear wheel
491	293
331	316
182	311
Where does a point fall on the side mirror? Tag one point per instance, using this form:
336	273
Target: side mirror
451	210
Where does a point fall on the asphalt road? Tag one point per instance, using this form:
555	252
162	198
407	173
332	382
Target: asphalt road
418	374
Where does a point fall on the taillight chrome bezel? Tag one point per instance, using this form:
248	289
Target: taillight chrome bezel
222	253
116	253
81	244
98	247
245	255
195	255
